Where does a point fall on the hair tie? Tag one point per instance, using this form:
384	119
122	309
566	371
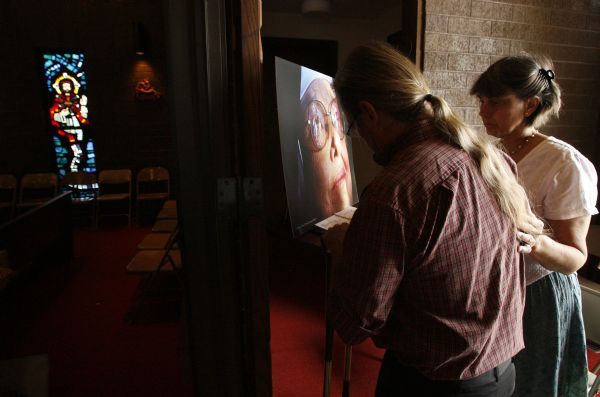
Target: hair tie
428	97
548	74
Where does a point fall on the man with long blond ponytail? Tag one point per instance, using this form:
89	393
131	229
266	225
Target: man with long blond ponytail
430	268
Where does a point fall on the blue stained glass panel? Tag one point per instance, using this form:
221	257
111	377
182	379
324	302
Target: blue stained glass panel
68	111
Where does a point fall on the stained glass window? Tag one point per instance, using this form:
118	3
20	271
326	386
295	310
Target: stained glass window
68	112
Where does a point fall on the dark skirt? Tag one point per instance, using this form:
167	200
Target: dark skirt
554	362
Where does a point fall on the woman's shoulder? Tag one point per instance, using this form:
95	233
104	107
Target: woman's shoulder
554	158
564	161
559	152
570	181
560	147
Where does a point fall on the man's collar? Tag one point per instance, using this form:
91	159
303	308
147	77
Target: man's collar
419	131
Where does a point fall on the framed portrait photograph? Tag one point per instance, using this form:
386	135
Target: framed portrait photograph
316	153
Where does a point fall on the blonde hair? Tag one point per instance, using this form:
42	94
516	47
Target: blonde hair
377	73
525	76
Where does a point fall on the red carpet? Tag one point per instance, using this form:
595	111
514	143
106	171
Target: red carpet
593	359
76	316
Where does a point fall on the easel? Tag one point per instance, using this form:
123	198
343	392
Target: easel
311	238
329	336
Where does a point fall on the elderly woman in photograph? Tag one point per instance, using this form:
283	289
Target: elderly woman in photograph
326	177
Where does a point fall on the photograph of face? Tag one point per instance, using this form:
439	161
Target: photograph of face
317	155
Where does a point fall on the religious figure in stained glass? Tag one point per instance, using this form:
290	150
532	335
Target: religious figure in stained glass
68	113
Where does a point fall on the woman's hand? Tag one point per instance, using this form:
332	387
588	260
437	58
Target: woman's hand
529	233
534	226
526	242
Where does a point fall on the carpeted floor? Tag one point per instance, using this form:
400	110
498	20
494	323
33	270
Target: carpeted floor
99	341
77	316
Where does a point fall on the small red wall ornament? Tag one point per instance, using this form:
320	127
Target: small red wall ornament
144	91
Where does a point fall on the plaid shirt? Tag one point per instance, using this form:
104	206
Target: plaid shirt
431	269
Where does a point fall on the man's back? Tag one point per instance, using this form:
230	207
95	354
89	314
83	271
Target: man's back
433	270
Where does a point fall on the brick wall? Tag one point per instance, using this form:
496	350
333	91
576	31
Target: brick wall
463	37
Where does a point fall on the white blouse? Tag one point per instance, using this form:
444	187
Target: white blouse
561	184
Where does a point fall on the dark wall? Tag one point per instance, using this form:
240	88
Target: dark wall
128	133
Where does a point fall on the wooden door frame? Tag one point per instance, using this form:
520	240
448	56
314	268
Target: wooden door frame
214	75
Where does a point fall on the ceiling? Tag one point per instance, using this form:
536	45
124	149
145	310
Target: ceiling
339	8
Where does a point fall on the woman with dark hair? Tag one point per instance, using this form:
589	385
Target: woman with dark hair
517	95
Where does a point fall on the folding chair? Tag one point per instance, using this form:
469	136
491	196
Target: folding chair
164	226
167	213
36	189
152	184
155	241
157	260
114	186
170	204
154	262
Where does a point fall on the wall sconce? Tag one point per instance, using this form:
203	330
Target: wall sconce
140	39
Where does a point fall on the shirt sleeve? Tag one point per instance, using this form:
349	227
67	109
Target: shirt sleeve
573	190
365	282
